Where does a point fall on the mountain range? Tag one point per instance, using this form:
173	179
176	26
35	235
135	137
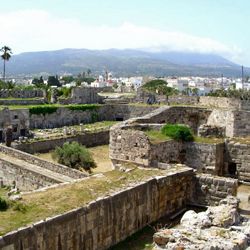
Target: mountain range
125	62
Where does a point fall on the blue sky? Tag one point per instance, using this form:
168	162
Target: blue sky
213	26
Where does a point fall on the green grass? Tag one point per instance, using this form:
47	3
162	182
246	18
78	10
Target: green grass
41	205
156	136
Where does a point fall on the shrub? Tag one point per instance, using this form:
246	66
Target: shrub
75	156
3	204
178	132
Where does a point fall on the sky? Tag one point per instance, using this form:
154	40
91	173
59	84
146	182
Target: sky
204	26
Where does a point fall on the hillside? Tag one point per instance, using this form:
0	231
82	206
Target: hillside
121	62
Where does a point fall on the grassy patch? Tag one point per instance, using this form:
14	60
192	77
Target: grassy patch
156	136
208	140
55	201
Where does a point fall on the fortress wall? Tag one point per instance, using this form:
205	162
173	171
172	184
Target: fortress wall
44	146
241	123
66	117
205	157
219	102
210	189
238	156
106	221
73	173
24	179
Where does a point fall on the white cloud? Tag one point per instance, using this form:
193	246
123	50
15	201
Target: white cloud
35	30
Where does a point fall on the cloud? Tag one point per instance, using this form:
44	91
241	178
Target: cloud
36	30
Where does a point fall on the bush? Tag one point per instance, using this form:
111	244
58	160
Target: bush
75	156
3	204
178	132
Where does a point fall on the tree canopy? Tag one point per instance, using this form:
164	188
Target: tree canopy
159	86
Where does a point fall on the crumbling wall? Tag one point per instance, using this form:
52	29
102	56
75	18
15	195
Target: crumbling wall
210	189
205	157
21	93
66	117
83	95
219	102
44	146
58	168
18	119
241	123
129	145
238	160
191	116
106	221
222	118
23	178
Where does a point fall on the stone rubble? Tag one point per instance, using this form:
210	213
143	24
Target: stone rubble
218	228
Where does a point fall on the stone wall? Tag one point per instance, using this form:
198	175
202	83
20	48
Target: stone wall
129	145
61	169
224	119
205	157
210	189
23	178
241	123
18	119
106	221
191	116
44	146
66	117
22	101
82	95
219	102
21	93
238	160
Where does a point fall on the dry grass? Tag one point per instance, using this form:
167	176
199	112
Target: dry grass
99	153
41	205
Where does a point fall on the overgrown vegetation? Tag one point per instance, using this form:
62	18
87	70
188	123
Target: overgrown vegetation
64	92
156	136
177	132
75	156
241	94
42	109
83	107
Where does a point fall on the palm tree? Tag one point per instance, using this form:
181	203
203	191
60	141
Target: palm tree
6	57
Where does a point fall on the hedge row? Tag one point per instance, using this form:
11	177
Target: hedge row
49	109
42	109
83	107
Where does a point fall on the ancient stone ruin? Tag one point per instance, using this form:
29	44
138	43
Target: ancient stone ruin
152	178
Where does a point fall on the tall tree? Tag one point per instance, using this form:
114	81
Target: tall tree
6	57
